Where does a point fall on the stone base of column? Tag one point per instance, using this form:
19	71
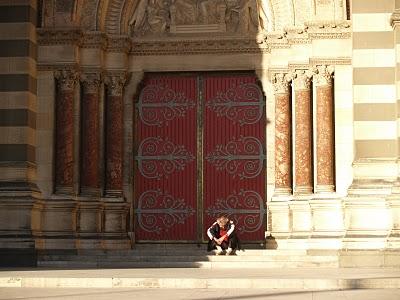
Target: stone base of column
64	190
113	193
303	190
323	189
89	191
54	223
282	192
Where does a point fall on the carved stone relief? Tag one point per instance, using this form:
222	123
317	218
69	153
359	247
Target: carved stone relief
155	17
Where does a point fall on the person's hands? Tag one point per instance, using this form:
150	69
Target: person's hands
220	240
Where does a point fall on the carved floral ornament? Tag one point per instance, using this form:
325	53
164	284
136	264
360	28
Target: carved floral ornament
66	79
116	82
302	78
91	82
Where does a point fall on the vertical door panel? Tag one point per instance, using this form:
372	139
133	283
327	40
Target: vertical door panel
234	153
165	159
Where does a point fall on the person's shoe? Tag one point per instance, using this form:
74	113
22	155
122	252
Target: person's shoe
229	251
219	251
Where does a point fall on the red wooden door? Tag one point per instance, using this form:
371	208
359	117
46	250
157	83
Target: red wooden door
200	153
165	162
234	154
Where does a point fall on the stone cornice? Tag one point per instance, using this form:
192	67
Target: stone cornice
328	30
195	46
58	66
94	40
58	36
330	61
119	44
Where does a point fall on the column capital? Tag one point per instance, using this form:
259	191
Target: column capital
91	82
66	79
395	18
281	82
115	82
302	79
323	75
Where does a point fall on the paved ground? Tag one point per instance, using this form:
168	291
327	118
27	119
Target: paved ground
193	294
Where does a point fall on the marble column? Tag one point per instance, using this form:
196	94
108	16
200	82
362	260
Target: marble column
114	134
64	135
90	135
303	133
283	151
325	131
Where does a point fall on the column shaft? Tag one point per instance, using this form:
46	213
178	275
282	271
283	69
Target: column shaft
114	134
283	159
64	152
90	172
325	132
303	134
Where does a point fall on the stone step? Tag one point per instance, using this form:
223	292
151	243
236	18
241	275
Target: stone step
177	252
212	264
188	258
250	278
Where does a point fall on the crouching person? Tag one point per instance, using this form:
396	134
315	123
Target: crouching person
223	237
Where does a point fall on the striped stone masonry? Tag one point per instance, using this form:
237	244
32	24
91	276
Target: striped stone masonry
17	94
18	82
374	73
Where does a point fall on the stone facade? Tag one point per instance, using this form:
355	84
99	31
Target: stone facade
68	80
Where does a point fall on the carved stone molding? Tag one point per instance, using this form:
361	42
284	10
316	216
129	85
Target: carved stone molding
281	82
119	44
185	47
302	80
395	18
323	75
91	82
94	40
58	36
328	30
66	79
115	82
314	61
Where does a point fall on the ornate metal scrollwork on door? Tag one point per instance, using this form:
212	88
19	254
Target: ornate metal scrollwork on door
246	208
243	104
243	158
157	211
157	157
159	104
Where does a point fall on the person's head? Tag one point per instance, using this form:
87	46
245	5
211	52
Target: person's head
222	221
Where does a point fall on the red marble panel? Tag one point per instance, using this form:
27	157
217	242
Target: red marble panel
64	138
325	136
90	176
283	176
114	140
303	137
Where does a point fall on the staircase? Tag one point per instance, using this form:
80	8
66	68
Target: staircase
188	256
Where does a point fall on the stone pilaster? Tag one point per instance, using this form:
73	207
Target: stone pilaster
325	159
90	134
114	133
64	135
303	133
283	130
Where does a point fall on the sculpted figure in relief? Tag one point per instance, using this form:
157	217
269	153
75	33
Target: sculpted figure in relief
150	16
239	16
191	12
